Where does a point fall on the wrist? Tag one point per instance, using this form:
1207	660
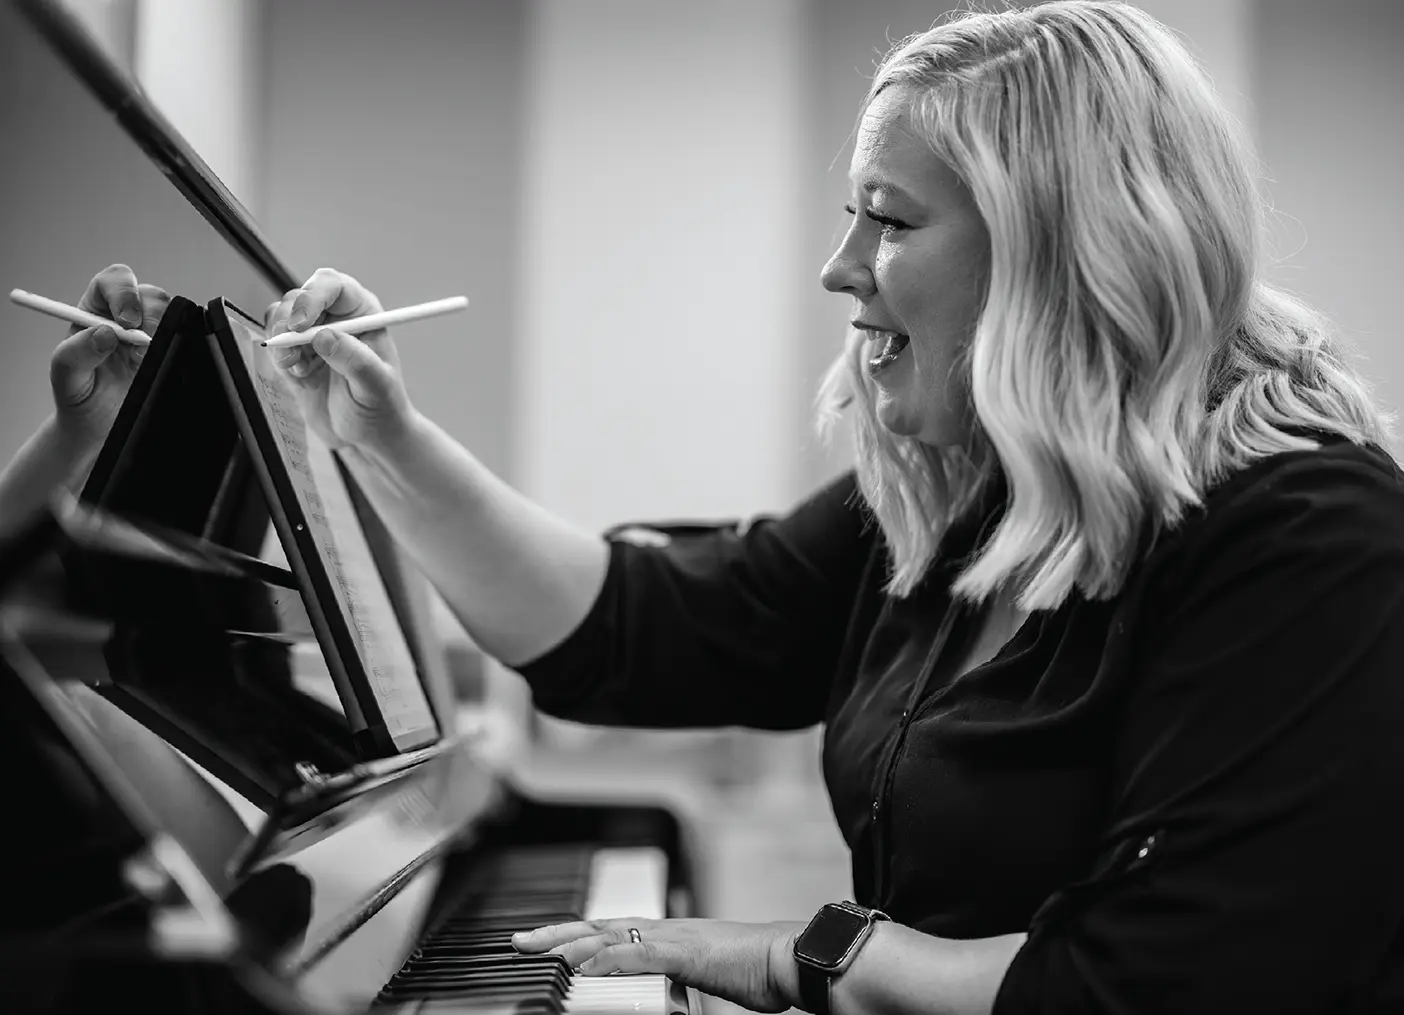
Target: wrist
394	443
74	445
784	969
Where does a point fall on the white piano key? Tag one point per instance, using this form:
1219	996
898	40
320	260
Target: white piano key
627	882
618	995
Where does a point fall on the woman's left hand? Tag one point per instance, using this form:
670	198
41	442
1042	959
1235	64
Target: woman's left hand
749	964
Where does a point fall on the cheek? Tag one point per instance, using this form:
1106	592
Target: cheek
940	366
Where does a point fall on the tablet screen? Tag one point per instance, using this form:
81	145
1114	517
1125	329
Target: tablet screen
357	587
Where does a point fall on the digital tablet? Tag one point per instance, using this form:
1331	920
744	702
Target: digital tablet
309	494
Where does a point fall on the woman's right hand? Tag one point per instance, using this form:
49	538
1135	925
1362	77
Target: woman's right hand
349	387
90	371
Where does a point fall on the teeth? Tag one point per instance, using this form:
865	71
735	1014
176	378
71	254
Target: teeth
886	353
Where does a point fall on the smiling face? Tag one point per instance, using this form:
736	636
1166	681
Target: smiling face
913	261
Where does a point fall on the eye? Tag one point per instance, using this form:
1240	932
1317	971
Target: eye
889	224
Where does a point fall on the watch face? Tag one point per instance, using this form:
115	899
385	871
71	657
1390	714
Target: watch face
830	935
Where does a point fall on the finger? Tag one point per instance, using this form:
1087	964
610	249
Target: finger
275	323
666	957
330	293
581	950
154	301
272	322
369	378
275	318
113	294
73	366
545	938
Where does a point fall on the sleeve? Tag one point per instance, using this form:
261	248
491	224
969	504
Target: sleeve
1252	862
725	625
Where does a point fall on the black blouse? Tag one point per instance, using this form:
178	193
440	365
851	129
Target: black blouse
1186	795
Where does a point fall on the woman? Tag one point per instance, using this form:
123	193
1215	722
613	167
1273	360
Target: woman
89	374
1105	628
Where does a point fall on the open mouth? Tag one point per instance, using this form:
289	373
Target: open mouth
887	349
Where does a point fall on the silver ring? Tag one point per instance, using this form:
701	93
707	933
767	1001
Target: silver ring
635	938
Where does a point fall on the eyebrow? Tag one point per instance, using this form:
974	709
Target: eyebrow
887	187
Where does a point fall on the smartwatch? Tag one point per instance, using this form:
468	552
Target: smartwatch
827	947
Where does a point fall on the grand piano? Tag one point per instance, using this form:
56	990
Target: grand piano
192	820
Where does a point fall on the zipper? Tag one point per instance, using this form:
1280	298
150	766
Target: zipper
880	807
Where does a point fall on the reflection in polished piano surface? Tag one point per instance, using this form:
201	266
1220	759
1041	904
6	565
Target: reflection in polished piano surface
393	883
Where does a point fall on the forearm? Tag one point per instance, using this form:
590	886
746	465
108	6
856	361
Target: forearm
901	971
518	578
47	461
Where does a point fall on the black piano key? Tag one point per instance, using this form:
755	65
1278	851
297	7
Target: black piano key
548	963
466	949
467	982
546	960
468	939
447	972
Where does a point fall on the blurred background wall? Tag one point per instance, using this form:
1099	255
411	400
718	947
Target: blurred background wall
638	197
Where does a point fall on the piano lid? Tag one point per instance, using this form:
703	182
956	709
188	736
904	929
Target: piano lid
352	836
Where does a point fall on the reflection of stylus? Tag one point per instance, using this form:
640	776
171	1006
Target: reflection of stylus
73	315
371	322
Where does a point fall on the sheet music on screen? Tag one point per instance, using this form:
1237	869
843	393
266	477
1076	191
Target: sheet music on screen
336	531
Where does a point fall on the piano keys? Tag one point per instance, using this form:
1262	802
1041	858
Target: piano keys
468	959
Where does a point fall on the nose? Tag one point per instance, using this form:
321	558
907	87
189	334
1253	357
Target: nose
848	270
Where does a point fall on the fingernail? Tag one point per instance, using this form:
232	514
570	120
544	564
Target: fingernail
104	339
129	317
296	319
324	341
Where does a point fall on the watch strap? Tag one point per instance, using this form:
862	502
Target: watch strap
814	987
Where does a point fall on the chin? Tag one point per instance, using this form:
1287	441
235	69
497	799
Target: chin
896	418
905	421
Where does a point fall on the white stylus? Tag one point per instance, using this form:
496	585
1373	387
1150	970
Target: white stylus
371	322
73	315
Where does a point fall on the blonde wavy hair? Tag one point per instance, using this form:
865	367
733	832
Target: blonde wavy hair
1128	355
